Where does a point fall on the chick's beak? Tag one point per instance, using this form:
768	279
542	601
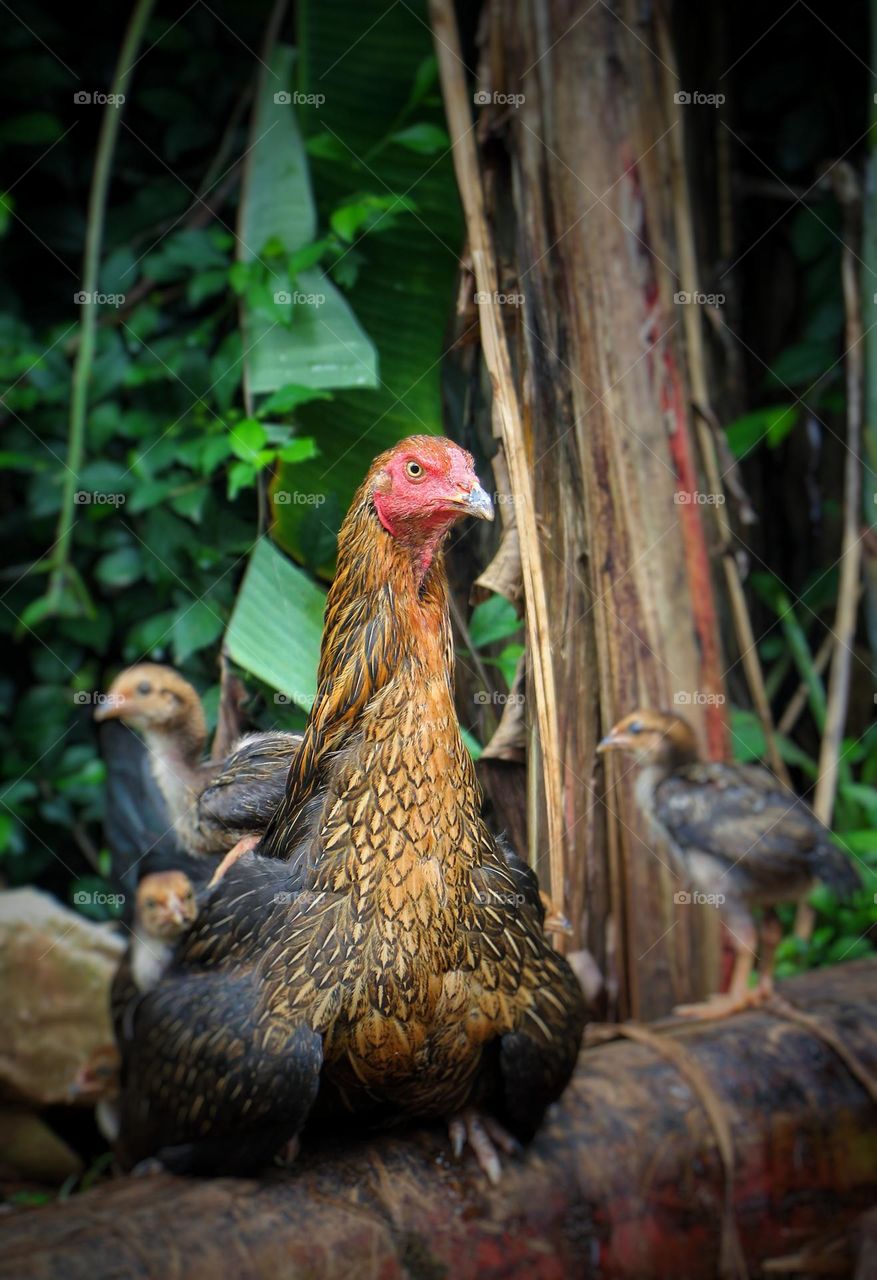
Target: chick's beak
477	502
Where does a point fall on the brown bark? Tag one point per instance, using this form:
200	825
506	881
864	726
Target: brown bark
624	1180
581	220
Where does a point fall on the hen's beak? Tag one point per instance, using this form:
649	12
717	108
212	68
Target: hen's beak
610	743
477	502
111	709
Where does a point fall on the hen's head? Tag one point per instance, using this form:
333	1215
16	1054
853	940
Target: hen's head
152	698
652	737
165	904
421	487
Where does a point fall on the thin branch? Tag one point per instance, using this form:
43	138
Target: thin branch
507	411
97	203
700	393
844	629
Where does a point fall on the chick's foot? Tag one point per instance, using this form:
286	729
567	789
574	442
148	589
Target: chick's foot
725	1006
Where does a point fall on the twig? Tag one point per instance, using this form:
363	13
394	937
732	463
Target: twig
272	31
700	393
843	632
508	417
97	202
799	698
849	198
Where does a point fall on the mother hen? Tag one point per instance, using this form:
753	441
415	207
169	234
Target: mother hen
378	957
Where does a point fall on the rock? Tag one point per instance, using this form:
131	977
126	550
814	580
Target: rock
31	1150
55	973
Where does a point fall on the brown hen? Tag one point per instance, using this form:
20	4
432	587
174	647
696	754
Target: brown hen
380	950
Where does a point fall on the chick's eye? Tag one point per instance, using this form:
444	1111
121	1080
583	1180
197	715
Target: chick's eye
413	470
144	687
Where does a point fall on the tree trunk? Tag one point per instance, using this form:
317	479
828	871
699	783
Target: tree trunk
576	166
625	1179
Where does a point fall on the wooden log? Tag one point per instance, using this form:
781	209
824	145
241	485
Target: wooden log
624	1180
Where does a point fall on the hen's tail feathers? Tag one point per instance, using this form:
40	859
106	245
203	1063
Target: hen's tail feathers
836	870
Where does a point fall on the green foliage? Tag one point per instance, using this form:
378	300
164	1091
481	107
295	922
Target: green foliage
183	472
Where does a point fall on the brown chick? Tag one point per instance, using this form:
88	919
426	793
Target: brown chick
739	838
212	803
165	907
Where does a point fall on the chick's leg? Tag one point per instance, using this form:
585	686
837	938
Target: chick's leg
739	997
771	937
483	1134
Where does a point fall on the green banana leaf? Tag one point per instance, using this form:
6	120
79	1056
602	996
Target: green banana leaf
306	333
277	623
362	141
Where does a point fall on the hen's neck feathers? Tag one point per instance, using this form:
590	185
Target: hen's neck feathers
386	620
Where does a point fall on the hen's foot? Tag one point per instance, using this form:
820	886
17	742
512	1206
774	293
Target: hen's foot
288	1153
725	1006
483	1134
243	846
145	1168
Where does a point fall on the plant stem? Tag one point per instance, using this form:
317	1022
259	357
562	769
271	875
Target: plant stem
82	367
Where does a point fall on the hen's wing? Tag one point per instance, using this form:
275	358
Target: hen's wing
532	1063
212	1085
243	795
754	829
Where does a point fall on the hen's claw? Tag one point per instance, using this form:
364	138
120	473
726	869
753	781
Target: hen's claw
483	1134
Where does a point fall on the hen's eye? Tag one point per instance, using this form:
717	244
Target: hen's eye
636	727
144	687
414	470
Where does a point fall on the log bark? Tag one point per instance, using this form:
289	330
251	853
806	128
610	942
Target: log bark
624	1180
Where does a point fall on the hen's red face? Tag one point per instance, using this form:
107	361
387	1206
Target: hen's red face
423	486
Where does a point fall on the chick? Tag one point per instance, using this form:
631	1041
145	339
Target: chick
165	907
212	803
738	837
